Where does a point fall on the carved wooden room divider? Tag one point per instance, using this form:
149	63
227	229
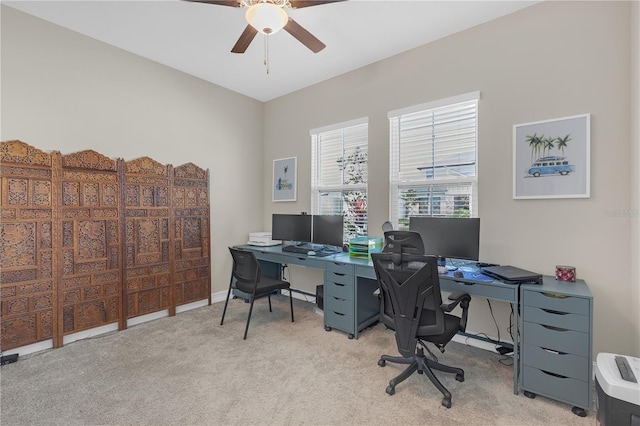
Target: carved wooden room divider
28	237
87	241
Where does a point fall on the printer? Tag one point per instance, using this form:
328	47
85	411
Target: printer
262	239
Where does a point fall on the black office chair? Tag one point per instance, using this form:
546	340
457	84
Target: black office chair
397	242
246	276
412	286
403	242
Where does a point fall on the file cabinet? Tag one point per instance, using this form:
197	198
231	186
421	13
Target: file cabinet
349	305
557	334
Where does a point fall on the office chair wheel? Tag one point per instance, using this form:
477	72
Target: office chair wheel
382	362
391	390
460	377
446	402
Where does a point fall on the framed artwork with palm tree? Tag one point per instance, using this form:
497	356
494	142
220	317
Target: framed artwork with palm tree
284	179
551	158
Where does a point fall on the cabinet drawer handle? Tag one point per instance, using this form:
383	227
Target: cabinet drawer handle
560	376
552	351
554	295
338	313
551	311
339	284
339	298
339	274
549	327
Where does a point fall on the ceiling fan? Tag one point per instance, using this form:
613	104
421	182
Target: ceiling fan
268	17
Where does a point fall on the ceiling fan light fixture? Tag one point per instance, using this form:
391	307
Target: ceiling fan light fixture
267	18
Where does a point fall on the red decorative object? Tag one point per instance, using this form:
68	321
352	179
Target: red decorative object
565	273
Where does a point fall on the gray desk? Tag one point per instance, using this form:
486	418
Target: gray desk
349	284
554	352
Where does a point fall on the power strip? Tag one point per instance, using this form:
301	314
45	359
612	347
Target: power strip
8	359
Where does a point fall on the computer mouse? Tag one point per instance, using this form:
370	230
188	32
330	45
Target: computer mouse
311	253
458	274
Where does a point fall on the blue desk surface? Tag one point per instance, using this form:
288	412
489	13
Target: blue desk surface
469	276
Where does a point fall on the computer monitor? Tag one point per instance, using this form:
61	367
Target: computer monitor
448	237
291	227
328	230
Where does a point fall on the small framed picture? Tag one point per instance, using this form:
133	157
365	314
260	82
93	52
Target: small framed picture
551	158
284	179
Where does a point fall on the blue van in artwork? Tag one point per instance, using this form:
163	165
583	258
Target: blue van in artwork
551	166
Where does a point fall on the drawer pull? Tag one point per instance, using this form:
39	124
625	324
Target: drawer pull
338	298
548	373
339	274
554	295
550	327
338	284
552	351
551	311
338	313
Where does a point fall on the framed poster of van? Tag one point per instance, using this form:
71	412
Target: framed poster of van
551	158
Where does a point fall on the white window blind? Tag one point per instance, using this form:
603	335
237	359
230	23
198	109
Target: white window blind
339	169
433	160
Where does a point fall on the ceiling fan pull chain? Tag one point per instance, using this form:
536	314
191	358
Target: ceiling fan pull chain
266	52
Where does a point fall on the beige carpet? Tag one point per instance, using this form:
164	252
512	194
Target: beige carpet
189	370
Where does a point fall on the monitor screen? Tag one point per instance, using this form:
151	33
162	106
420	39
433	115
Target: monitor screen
448	237
327	230
291	227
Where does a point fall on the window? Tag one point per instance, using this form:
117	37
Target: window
339	168
433	160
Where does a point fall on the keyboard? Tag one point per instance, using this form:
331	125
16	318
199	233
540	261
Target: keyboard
296	249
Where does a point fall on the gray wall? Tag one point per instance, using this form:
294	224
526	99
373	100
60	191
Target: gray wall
551	60
67	92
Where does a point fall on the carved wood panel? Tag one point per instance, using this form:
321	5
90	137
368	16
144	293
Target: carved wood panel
147	240
90	274
27	241
87	241
191	234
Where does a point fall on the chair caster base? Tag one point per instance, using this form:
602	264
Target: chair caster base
446	402
580	412
391	390
382	362
460	377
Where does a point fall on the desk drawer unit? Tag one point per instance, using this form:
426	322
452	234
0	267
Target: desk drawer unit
557	344
339	297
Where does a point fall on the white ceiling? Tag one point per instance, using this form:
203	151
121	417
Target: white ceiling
197	38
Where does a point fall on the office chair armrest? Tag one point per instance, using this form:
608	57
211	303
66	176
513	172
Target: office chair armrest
455	299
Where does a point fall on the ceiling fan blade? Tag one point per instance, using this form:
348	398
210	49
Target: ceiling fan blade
297	4
245	40
232	3
304	36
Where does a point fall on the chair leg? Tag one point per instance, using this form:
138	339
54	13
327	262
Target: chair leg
224	311
394	359
291	303
246	329
446	401
447	369
269	297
